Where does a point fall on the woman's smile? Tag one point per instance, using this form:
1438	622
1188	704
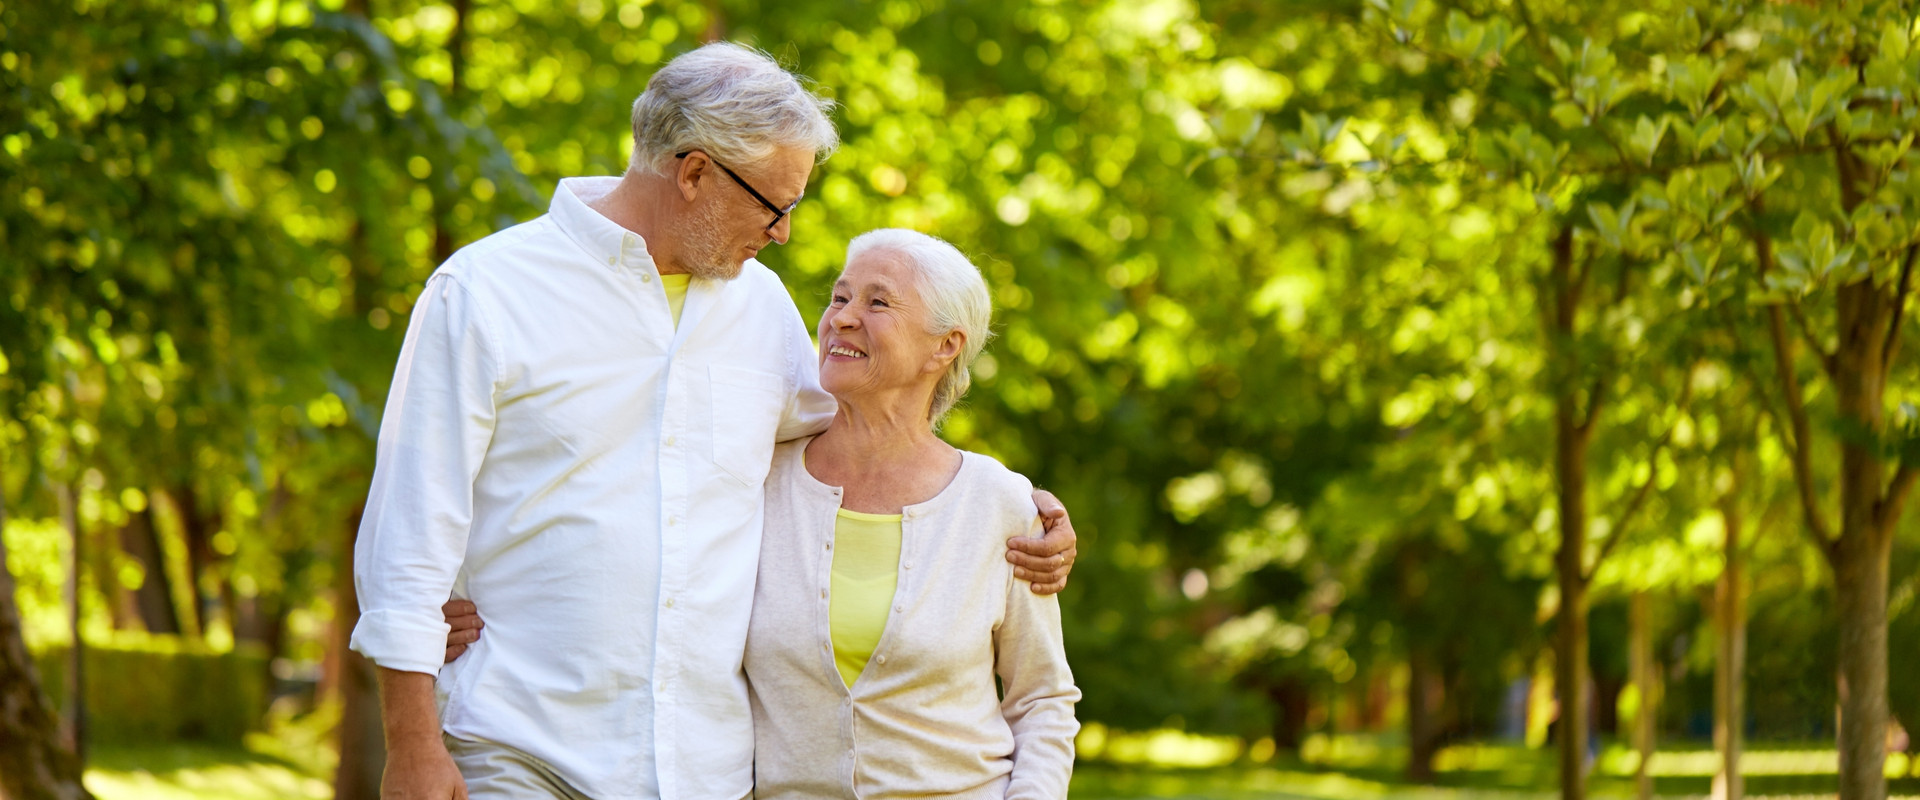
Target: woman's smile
844	352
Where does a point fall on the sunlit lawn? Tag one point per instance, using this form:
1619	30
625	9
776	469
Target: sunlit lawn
292	761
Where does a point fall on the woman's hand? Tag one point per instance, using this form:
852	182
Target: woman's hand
464	616
1044	561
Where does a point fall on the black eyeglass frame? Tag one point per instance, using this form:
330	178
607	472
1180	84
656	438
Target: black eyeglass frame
778	212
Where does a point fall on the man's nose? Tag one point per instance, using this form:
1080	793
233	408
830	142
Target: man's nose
782	230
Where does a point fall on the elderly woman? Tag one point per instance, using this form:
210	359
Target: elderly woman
884	608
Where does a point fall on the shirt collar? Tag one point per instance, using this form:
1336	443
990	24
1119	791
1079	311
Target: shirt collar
608	243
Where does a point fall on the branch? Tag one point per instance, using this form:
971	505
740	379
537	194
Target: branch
1596	396
1888	509
1645	491
1813	342
1890	349
1802	439
1536	36
1746	368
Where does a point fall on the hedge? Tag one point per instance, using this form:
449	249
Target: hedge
162	689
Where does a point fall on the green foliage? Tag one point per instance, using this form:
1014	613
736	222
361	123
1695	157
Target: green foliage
1272	279
158	690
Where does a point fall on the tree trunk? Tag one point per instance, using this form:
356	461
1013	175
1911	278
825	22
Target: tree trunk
140	540
1560	306
1869	314
1424	693
1290	724
35	762
1860	578
1730	656
1646	682
197	530
1570	654
716	23
363	751
1570	680
76	721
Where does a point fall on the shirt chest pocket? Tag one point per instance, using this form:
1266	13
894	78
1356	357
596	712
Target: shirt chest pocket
747	406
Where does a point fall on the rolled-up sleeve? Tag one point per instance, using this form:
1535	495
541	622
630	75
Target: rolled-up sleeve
438	422
1031	659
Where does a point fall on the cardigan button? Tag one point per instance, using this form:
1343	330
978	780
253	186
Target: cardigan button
881	659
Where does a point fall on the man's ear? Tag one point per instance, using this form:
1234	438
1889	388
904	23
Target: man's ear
692	174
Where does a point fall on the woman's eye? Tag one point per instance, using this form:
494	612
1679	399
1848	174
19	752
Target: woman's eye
879	302
839	300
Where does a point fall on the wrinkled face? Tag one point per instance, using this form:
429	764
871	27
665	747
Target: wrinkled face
726	225
873	335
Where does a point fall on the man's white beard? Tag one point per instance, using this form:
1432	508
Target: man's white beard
706	254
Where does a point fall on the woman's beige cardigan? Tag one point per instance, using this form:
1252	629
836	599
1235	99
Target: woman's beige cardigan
924	718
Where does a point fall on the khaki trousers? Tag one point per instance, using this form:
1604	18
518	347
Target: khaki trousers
498	772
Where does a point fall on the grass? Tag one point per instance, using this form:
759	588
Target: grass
293	760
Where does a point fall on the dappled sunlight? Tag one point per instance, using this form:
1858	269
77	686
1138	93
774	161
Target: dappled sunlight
1165	747
1622	761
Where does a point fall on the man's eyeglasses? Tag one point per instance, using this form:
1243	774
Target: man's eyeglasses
778	212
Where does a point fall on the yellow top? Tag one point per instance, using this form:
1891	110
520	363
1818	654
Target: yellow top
866	562
676	286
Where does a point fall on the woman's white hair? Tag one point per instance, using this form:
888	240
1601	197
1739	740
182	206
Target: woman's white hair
733	102
954	294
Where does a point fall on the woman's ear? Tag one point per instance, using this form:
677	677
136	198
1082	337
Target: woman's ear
951	345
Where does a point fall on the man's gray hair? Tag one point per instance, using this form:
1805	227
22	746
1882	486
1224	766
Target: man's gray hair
734	103
954	294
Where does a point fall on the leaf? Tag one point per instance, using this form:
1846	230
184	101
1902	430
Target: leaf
1560	49
1709	132
1895	42
1645	140
1605	219
1333	131
1783	81
1569	115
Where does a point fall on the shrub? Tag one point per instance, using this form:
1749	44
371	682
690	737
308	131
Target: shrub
163	689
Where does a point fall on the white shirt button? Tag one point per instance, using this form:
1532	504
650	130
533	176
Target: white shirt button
829	545
898	609
646	277
881	659
823	594
671	440
672	521
669	602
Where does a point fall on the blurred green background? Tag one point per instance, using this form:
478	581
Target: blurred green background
1396	358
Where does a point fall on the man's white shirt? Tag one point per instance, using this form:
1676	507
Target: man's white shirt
557	451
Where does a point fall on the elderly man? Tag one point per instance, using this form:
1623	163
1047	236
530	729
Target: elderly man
580	424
